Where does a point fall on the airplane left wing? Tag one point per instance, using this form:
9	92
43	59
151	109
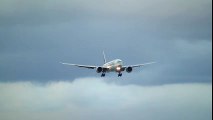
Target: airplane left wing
139	65
83	66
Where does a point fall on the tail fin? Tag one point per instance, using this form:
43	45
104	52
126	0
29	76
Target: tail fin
104	57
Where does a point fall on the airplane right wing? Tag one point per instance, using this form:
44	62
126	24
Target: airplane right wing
139	65
83	66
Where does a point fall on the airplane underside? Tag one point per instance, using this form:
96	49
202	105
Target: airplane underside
114	69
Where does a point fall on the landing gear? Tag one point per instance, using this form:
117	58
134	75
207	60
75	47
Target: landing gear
103	75
120	75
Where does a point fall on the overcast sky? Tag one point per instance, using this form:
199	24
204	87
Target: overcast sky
35	35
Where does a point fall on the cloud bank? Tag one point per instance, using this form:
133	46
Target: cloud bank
95	99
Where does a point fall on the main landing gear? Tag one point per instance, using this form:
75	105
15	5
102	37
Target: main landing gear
120	75
103	75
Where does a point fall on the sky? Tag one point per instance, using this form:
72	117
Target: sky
36	35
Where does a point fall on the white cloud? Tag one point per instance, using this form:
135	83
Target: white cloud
92	98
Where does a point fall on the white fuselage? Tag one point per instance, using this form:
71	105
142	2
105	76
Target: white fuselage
114	65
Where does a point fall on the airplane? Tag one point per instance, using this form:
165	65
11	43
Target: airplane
112	66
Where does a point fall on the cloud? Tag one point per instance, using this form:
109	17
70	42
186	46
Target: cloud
172	15
92	98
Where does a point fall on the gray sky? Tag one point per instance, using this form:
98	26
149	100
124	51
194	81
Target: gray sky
36	35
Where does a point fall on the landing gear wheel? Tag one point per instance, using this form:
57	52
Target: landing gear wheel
103	75
120	75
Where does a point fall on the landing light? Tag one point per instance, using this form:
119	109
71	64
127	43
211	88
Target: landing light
108	67
118	68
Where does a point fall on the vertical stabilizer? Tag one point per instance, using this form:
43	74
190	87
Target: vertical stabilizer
104	57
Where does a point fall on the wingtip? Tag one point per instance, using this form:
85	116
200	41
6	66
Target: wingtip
61	63
152	62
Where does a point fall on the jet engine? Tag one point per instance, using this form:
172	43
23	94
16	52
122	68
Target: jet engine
99	69
129	69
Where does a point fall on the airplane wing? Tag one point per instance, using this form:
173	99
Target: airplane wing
83	66
139	65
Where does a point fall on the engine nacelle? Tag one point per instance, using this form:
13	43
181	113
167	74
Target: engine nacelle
129	69
99	69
